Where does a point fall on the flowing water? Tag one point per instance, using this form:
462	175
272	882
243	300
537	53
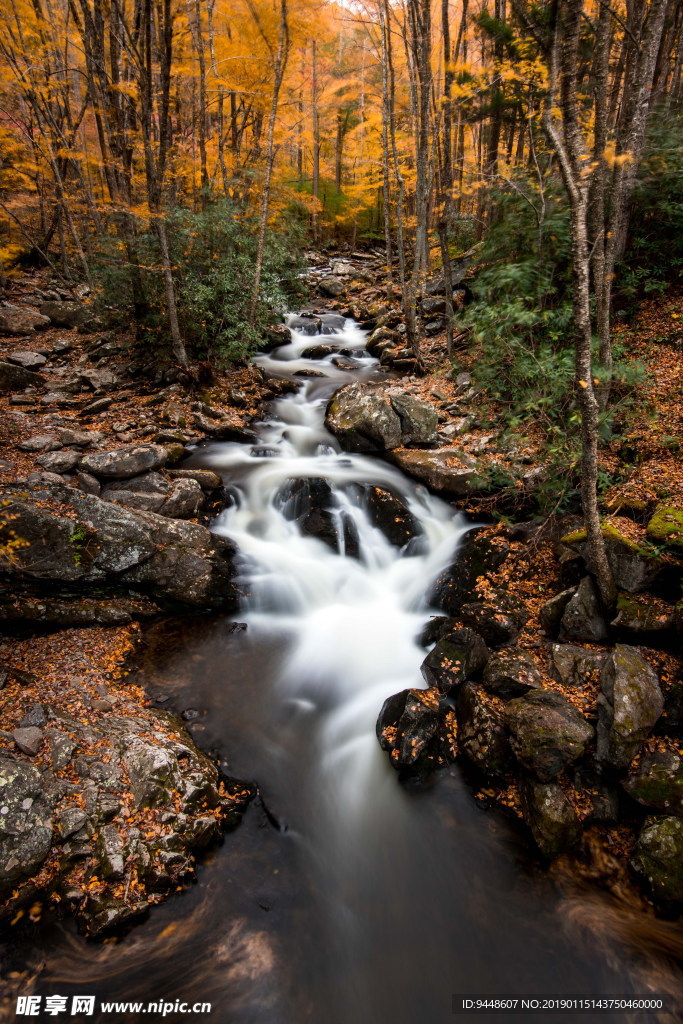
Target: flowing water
344	897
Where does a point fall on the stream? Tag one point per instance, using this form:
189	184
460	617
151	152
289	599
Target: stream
344	897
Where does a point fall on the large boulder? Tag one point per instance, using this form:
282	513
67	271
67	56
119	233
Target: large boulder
482	738
551	817
121	463
331	286
634	568
29	360
511	674
19	320
25	822
363	420
308	325
658	858
582	618
96	541
546	732
16	378
65	314
666	527
459	655
657	781
629	705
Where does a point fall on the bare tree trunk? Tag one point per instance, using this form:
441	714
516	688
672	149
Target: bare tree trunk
280	63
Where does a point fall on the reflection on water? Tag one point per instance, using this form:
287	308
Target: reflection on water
343	898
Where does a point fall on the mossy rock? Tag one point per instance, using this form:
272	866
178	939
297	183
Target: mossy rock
658	858
666	527
634	566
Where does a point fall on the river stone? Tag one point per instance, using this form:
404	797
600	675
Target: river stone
629	705
448	471
142	500
389	514
419	418
407	723
572	665
476	556
331	286
79	438
511	674
499	620
25	822
58	462
29	360
657	781
363	420
658	858
65	314
308	325
582	618
551	817
21	319
546	732
122	463
482	738
458	656
15	378
331	323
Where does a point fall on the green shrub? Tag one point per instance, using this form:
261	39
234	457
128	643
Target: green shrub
213	255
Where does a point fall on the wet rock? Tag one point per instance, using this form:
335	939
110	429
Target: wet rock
175	559
317	352
582	618
122	463
15	378
572	665
309	325
634	568
408	723
551	817
482	738
657	781
629	705
658	858
419	418
435	628
76	610
29	360
331	323
449	472
458	656
297	497
390	515
511	674
476	556
225	428
18	320
363	420
25	822
331	286
551	613
58	462
546	732
499	619
29	740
